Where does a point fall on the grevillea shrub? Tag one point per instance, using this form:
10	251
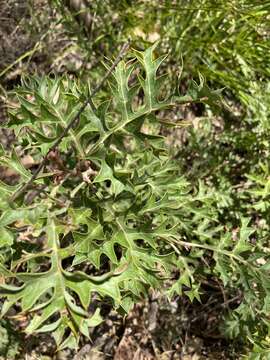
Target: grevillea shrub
111	215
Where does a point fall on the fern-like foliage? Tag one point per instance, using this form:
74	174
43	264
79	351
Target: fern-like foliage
111	215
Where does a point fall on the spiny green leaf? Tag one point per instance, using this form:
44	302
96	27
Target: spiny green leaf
6	238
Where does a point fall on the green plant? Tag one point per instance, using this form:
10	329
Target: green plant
9	341
100	204
112	215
